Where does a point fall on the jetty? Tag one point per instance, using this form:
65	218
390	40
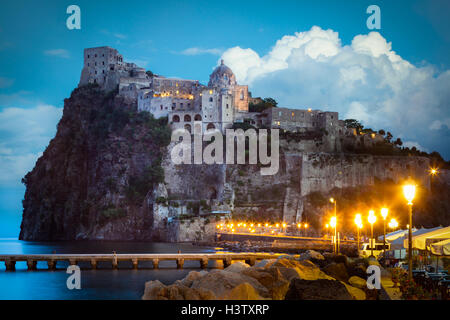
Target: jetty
179	258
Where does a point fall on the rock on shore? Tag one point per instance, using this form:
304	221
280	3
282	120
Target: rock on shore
277	279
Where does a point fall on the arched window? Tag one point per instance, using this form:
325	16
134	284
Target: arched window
210	126
242	95
198	117
187	127
210	99
176	118
187	118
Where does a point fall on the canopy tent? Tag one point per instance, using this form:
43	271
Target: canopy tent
398	239
423	240
395	235
441	248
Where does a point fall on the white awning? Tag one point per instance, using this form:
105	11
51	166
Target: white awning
441	248
423	241
398	238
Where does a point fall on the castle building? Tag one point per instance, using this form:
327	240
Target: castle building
188	102
297	119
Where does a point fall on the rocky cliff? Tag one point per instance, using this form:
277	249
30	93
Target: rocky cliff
96	177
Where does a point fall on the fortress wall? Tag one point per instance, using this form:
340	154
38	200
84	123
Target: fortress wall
322	172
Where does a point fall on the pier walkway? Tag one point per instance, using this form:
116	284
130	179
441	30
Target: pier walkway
73	259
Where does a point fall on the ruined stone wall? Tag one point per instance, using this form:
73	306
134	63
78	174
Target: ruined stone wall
193	181
194	229
323	172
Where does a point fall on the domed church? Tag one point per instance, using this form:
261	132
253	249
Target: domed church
222	77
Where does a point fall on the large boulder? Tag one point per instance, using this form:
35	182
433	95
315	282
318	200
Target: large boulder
265	263
356	293
336	258
312	255
337	271
155	290
237	267
357	269
189	279
320	289
244	291
272	279
291	268
221	282
357	282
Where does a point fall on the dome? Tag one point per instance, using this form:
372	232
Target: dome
222	77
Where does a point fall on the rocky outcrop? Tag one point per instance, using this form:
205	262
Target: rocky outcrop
107	174
277	279
96	178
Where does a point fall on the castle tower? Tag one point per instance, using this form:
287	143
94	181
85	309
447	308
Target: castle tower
224	80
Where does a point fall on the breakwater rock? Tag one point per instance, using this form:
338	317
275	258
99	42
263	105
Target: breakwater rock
274	279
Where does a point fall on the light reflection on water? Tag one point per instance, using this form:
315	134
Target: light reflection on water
105	283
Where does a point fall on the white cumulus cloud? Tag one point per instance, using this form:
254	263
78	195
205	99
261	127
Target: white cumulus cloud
24	134
365	79
61	53
197	51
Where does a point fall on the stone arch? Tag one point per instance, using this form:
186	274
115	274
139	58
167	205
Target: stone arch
210	126
187	127
187	118
212	193
198	117
176	118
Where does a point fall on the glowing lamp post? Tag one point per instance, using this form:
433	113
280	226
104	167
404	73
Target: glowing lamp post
333	224
332	200
358	222
409	191
384	213
372	219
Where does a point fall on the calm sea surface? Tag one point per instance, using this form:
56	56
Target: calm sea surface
104	283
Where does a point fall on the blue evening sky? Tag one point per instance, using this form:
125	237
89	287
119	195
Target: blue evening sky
41	60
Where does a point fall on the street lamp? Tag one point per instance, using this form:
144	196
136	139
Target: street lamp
372	218
384	213
433	173
409	191
358	222
333	223
332	200
393	224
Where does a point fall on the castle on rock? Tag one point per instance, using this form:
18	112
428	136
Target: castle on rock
186	103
